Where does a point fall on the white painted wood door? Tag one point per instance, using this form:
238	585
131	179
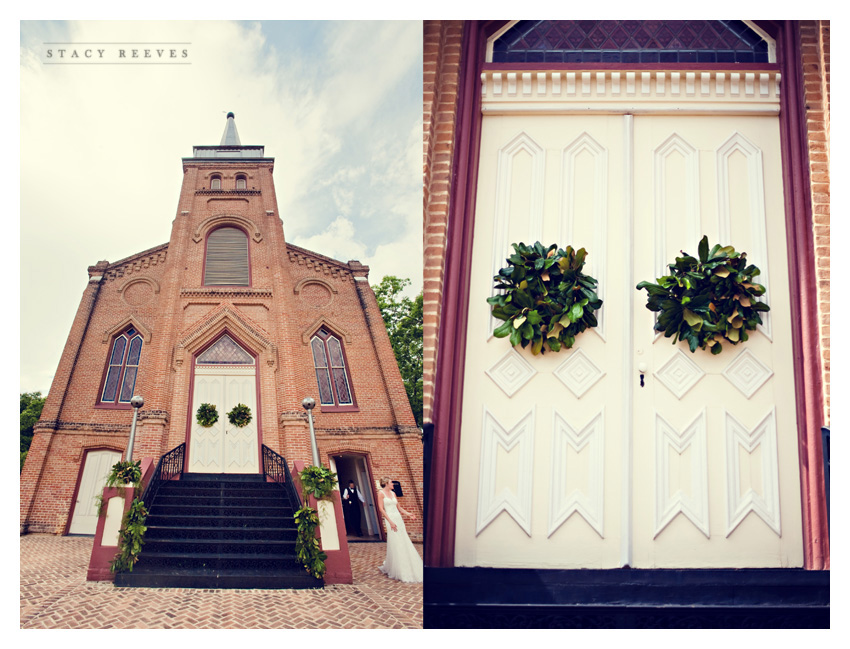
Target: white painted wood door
565	461
97	467
223	447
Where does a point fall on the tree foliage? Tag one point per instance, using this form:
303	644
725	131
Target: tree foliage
403	319
31	405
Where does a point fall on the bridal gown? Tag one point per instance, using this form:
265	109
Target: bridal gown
403	561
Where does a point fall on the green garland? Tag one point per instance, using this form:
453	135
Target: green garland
131	537
240	416
545	297
206	415
707	299
307	547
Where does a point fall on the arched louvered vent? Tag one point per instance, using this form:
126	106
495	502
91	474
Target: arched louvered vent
227	258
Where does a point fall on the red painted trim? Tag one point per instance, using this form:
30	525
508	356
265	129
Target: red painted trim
448	392
80	470
259	411
803	293
449	375
572	67
247	234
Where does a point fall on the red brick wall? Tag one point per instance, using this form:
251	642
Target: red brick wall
814	38
274	318
442	40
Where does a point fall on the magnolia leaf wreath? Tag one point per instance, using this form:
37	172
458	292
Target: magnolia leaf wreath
240	416
546	300
707	299
206	415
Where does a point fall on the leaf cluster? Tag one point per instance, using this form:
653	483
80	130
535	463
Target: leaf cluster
546	300
307	547
318	481
707	299
31	406
240	416
206	415
131	537
124	473
403	319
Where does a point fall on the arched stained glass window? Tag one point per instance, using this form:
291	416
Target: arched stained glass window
226	262
331	372
123	368
630	41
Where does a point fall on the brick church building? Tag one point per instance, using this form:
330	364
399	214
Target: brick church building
225	312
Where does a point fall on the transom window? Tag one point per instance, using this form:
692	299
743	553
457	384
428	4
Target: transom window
225	351
226	261
630	41
123	368
331	373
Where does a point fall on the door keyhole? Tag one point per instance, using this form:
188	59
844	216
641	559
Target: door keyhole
641	380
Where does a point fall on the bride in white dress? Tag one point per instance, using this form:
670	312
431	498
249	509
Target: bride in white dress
403	561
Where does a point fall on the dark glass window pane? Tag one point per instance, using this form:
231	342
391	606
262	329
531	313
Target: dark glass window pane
118	351
336	353
325	395
341	384
319	358
110	387
128	385
135	351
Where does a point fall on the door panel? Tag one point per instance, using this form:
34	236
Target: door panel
525	417
566	461
97	468
713	435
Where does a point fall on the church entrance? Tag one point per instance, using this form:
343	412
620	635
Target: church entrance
225	375
355	467
627	450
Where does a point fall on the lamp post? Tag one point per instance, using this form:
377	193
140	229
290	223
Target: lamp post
137	402
309	403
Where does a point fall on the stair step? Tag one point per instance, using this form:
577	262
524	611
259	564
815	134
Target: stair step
207	545
202	531
237	511
157	577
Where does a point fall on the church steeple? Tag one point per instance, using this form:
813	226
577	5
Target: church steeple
230	147
230	135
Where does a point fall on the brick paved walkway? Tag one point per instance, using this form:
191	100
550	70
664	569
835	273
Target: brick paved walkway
55	595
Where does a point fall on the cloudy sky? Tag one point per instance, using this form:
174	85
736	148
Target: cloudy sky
337	104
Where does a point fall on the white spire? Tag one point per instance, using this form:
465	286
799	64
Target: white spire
231	135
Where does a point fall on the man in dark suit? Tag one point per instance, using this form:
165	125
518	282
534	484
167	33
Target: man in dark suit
351	499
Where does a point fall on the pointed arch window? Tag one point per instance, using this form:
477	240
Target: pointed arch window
226	261
331	372
122	368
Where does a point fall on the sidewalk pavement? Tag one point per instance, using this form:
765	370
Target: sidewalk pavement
56	595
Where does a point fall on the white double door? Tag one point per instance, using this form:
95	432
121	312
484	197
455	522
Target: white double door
566	461
223	447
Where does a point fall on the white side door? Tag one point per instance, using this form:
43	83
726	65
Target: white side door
97	467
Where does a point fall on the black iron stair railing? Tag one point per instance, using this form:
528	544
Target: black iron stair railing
169	466
276	468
